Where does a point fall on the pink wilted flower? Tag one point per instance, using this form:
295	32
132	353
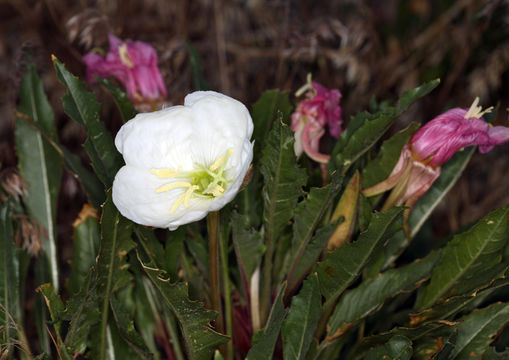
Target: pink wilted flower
319	109
134	64
433	145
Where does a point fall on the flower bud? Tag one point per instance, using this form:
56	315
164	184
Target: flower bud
183	161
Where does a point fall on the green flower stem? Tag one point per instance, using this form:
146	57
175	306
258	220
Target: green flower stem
223	248
215	297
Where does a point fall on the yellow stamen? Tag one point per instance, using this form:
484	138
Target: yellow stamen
178	184
188	194
166	173
177	203
307	86
217	191
219	161
124	56
476	111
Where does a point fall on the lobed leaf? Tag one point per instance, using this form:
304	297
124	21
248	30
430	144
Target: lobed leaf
248	245
467	256
124	105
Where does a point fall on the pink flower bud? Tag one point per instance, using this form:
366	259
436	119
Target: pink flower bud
134	64
320	108
439	139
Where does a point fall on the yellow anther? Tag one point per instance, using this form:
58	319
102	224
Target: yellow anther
124	56
219	161
476	111
165	173
177	203
178	184
217	191
188	194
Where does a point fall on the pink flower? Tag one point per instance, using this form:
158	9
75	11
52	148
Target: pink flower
320	108
440	138
419	164
134	64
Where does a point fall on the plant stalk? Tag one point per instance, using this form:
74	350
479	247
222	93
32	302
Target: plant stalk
228	311
215	296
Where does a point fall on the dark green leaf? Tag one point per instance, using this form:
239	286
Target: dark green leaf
477	330
450	173
302	319
39	164
371	293
200	339
124	105
248	245
343	265
82	107
9	281
308	215
85	247
397	348
468	255
265	340
111	264
199	83
125	326
381	167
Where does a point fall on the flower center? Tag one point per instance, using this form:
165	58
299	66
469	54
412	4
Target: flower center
204	182
476	111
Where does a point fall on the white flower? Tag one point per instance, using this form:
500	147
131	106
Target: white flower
183	161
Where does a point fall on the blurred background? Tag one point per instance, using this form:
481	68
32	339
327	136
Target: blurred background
370	50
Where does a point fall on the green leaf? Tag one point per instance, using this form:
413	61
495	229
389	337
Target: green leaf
39	164
125	327
85	247
364	129
343	265
468	255
283	180
200	339
83	313
302	319
381	167
82	107
56	309
199	83
308	215
397	348
264	341
478	329
269	107
450	173
248	245
371	293
124	105
10	313
111	264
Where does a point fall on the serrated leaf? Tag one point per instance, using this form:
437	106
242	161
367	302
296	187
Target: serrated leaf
111	264
381	167
85	247
9	280
343	265
467	255
477	330
358	303
264	341
200	339
397	348
82	107
450	173
248	245
302	319
309	214
365	129
124	105
39	164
